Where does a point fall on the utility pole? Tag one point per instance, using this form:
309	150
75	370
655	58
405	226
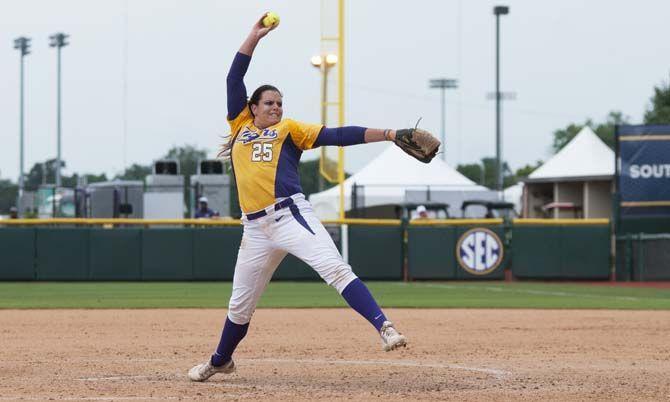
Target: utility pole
498	11
23	45
58	40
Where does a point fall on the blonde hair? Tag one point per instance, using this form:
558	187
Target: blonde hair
225	147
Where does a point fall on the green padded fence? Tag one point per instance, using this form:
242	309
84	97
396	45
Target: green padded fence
431	252
167	254
130	254
375	252
17	254
62	254
561	252
215	252
115	254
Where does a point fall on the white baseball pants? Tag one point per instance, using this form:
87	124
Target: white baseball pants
265	243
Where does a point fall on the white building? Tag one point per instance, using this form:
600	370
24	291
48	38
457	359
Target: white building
577	182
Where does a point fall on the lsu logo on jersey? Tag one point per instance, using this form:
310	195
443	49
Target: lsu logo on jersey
248	135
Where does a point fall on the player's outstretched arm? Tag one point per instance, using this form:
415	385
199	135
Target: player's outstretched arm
416	142
258	31
352	135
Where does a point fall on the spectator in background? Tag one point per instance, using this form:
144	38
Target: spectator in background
203	210
421	212
13	213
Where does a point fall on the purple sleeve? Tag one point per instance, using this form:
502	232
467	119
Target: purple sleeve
236	91
343	136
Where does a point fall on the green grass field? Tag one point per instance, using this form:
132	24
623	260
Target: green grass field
28	295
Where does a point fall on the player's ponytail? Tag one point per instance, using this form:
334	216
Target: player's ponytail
225	148
256	96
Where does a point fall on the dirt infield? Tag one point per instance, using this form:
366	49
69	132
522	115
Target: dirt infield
329	354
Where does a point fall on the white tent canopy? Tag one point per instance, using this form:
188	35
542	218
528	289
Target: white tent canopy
585	156
574	183
388	177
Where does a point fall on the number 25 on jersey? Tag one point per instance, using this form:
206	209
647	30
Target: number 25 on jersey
261	152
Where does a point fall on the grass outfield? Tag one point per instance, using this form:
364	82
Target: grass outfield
25	295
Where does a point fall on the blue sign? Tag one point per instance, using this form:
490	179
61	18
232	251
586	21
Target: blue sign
644	170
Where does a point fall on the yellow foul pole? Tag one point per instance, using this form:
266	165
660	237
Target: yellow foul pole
340	92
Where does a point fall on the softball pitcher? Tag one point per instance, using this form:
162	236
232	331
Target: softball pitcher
265	151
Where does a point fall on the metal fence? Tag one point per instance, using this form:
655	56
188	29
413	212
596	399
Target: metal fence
643	257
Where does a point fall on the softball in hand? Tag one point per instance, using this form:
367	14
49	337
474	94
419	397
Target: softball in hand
270	19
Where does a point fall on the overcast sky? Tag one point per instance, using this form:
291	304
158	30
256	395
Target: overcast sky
565	60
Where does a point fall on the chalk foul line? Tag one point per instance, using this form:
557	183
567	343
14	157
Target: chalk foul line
394	363
498	373
537	292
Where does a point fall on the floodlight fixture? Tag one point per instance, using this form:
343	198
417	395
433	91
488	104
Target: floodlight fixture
58	39
500	10
447	83
22	43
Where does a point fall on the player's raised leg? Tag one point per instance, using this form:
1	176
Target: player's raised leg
257	260
304	236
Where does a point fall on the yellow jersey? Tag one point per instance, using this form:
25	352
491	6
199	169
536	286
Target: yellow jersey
265	161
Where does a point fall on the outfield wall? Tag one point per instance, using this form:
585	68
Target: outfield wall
131	250
548	249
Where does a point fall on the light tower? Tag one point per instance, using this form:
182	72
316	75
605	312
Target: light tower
498	11
58	40
23	45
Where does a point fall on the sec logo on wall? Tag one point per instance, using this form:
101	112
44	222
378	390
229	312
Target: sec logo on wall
479	251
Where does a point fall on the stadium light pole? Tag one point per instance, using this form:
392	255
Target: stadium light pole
324	63
23	45
443	84
58	40
498	11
